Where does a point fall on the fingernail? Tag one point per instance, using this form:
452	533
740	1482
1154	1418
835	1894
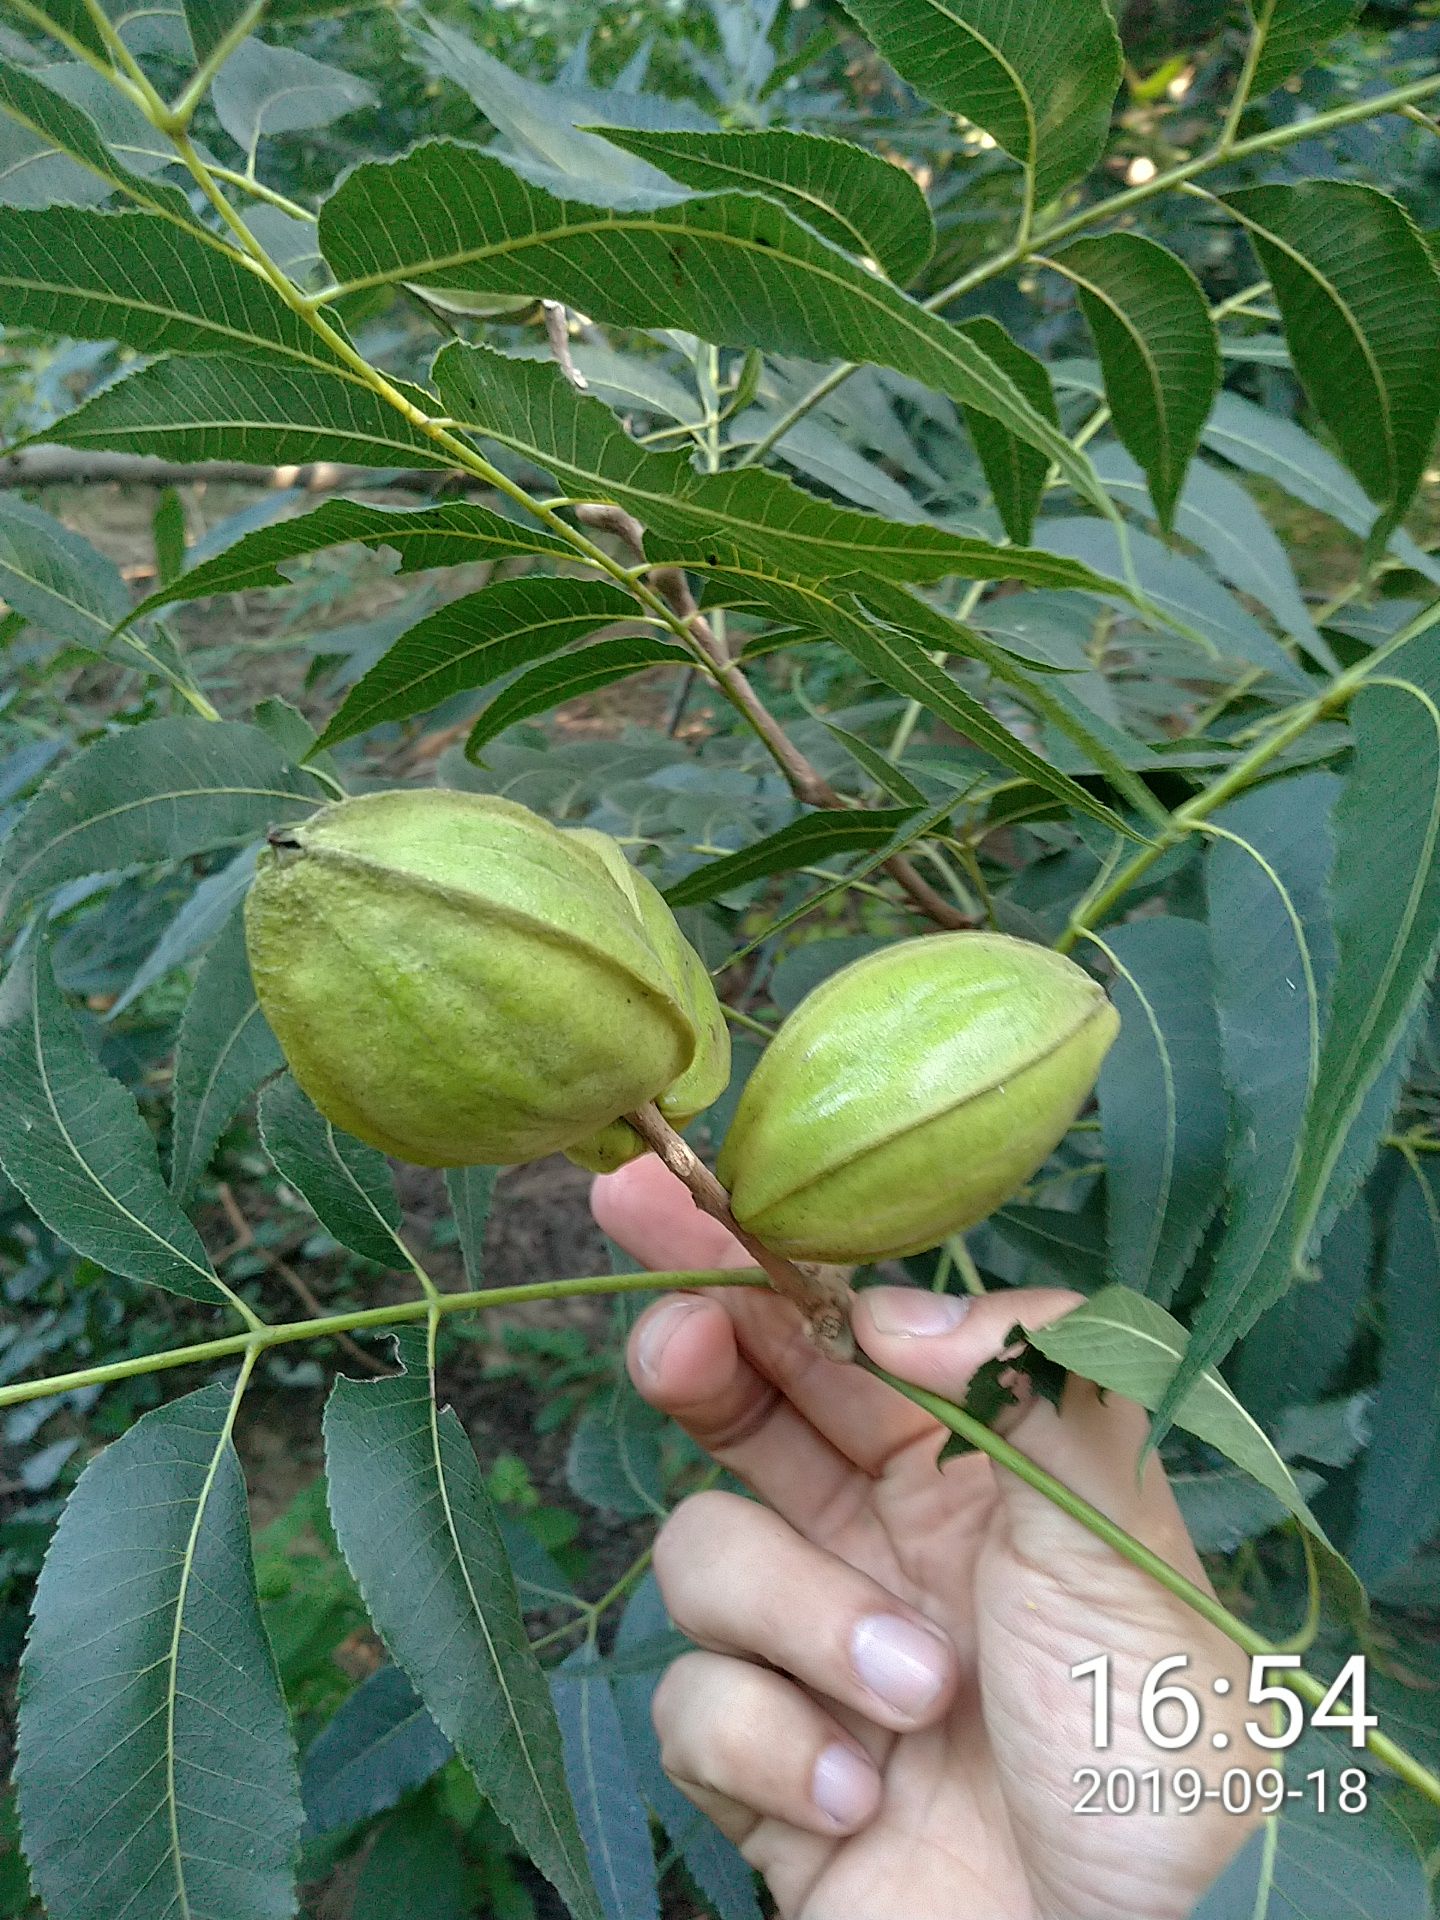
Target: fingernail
904	1665
656	1333
913	1310
844	1787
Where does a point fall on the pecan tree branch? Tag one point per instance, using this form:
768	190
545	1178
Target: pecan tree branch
821	1293
63	466
805	779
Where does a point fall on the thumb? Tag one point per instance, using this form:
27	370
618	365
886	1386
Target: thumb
1092	1445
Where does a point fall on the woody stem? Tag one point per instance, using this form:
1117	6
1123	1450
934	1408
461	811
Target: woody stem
821	1293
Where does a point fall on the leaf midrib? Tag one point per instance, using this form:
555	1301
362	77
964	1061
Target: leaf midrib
360	719
1382	395
172	1679
1204	1378
779	189
689	492
1008	67
1236	1284
8	565
113	297
599	674
451	1528
205	1094
1312	1192
362	1192
1142	347
47	1087
131	806
1167	1071
895	311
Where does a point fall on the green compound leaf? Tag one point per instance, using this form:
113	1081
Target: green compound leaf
894	784
380	1745
1016	472
529	407
61	125
1385	889
1132	1346
1043	684
804	842
211	22
541	122
1361	1866
140	279
906	835
347	1185
474	640
1185	595
1158	349
734	268
225	409
73	1141
612	1814
1162	1103
613	1461
1294	33
1270	951
1399	1500
415	1524
76	21
223	1052
1220	517
714	1862
417	1869
161	791
194	926
56	579
451	535
896	646
156	1770
1041	81
600	664
1268	444
263	90
471	1191
1386	892
1296	1349
864	204
1359	298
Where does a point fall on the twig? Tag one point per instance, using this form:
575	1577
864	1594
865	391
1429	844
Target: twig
63	466
805	780
679	703
821	1293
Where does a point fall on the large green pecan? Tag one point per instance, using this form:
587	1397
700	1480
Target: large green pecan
911	1093
458	982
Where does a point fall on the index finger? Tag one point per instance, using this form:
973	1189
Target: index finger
685	1359
648	1211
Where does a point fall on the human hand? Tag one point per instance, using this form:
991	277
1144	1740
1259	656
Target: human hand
883	1717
